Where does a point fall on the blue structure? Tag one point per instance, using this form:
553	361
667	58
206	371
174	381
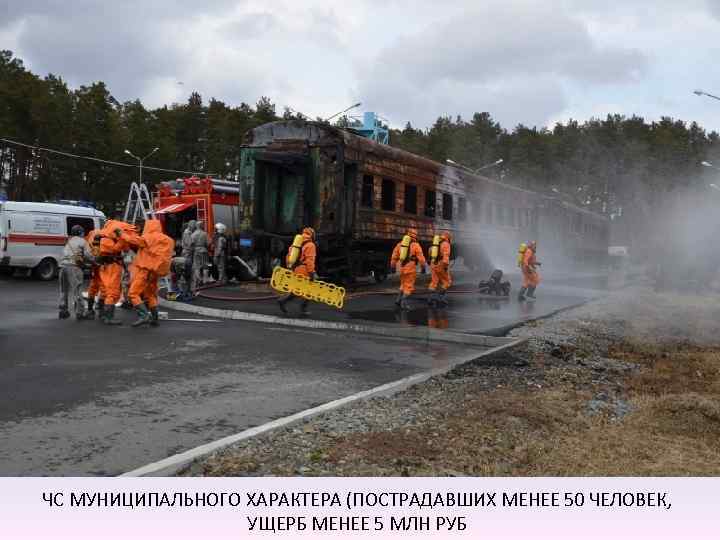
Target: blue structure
373	129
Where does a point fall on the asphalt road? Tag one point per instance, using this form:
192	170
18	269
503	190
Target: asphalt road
80	398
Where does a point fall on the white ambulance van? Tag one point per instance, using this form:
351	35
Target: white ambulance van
32	235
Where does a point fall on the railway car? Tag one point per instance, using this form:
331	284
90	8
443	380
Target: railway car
361	196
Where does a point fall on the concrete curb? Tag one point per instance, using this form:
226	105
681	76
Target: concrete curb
429	334
176	463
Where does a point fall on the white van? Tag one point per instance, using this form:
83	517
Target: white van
32	235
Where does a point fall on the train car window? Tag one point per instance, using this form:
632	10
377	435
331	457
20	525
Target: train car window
387	195
462	209
477	211
447	208
410	199
489	213
430	203
368	185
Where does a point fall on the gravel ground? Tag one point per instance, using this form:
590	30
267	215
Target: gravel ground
624	385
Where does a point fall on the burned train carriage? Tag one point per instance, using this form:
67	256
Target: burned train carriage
361	196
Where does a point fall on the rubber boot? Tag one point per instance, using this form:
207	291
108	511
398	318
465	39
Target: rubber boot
442	300
433	300
100	308
398	299
63	312
404	303
108	316
143	316
283	300
531	293
521	294
154	317
304	311
90	313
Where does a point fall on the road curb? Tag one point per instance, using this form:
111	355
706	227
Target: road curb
173	464
429	334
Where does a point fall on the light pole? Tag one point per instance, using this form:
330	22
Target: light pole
456	164
344	111
703	93
129	153
715	187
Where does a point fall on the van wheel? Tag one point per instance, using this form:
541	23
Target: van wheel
46	270
379	275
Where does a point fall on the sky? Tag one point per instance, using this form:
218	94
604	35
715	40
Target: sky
531	62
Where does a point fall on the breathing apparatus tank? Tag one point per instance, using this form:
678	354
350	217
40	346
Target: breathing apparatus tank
435	249
295	250
405	248
521	254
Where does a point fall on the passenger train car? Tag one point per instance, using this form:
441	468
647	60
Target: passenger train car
361	196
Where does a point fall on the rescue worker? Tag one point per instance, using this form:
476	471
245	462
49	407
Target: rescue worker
95	285
220	252
76	255
111	269
302	263
153	259
439	255
199	246
531	278
187	254
407	255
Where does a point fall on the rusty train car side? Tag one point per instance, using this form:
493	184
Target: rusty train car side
361	197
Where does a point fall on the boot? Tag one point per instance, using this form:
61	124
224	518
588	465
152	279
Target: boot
521	294
63	312
284	300
109	314
398	299
304	311
433	300
154	316
143	316
531	293
90	313
100	308
404	303
442	300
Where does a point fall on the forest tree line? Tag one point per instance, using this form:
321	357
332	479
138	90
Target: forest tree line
616	165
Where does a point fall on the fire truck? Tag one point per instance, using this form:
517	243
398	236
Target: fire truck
209	200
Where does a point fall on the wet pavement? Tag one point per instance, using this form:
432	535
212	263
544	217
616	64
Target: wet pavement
80	398
467	311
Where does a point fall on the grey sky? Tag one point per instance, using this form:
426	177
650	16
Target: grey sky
525	61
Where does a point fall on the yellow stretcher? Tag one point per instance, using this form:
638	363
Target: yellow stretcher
285	281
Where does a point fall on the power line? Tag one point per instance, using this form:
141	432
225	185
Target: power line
117	163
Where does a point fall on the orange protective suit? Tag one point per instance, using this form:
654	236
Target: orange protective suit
95	285
408	268
153	260
440	269
306	262
111	250
531	278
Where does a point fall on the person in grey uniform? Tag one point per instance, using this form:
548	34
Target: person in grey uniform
199	245
187	254
76	255
220	252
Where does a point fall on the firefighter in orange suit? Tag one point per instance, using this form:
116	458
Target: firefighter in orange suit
153	259
407	255
111	269
440	269
301	260
95	285
531	278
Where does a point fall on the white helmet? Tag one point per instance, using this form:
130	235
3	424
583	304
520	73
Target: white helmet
219	227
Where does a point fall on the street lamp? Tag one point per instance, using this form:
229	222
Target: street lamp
129	153
703	93
707	164
456	164
358	104
714	186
